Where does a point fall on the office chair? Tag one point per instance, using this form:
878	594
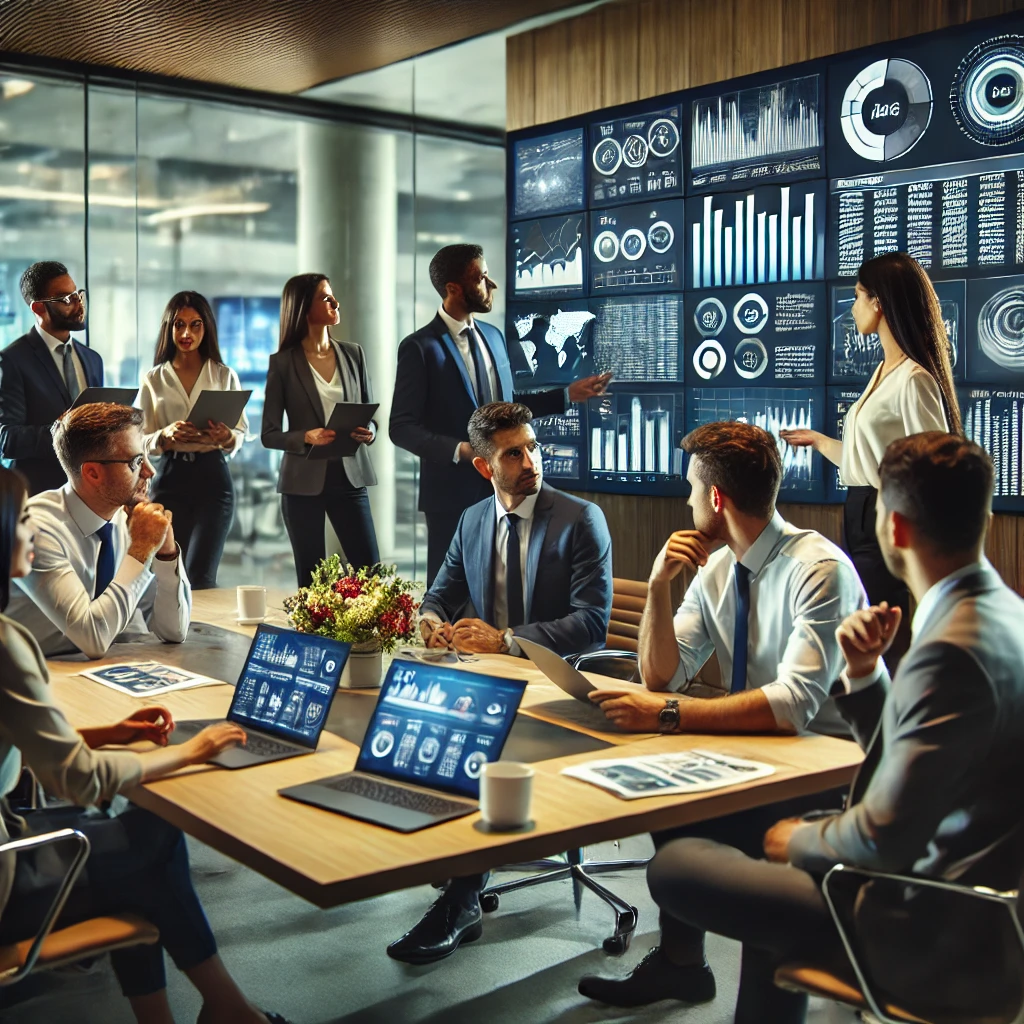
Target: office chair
862	995
49	948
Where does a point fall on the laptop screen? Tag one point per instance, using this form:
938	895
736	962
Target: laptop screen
438	726
288	683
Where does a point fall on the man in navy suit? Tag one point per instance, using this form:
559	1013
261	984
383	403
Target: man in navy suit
43	372
446	370
536	563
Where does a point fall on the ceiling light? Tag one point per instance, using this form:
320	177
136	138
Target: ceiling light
14	87
42	195
205	210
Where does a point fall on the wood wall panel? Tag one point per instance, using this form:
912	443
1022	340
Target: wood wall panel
520	99
757	43
664	27
711	41
620	68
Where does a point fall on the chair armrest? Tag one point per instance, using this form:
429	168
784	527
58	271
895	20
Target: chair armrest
70	877
629	660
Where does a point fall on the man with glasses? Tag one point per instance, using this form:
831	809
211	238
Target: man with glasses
105	556
43	372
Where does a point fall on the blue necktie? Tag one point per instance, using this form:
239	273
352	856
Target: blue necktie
483	384
739	636
70	374
105	561
514	573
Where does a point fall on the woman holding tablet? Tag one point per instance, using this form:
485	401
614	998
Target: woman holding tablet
192	479
308	375
910	391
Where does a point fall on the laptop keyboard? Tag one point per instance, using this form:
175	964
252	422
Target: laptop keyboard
263	747
395	796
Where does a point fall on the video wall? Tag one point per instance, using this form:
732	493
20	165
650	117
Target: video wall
704	247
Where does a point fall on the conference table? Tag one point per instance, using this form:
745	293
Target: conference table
329	859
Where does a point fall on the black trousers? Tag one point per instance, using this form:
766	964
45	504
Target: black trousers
348	509
138	864
197	488
441	527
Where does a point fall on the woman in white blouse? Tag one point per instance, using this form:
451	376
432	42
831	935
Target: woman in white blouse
910	391
192	479
308	375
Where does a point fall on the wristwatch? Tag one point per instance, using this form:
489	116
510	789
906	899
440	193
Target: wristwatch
668	716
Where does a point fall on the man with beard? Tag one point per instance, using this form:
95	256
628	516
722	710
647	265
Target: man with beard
103	553
43	372
536	563
767	599
447	369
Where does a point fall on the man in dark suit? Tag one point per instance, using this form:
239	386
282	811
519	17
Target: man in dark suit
43	372
939	792
446	370
536	563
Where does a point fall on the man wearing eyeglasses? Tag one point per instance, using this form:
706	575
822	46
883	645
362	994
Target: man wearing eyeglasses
106	566
43	372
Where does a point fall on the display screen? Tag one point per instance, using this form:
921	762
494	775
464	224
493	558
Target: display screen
840	401
549	343
638	339
247	331
561	445
995	330
994	419
548	256
636	157
548	173
768	336
439	726
637	248
759	132
288	683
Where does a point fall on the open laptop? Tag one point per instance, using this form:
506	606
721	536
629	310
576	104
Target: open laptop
281	699
432	731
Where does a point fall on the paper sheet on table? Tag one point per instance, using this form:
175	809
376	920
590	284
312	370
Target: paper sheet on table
146	678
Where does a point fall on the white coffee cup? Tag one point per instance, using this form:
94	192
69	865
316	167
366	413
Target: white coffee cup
505	791
252	604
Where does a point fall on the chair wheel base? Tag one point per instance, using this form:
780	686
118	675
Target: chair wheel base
489	902
616	945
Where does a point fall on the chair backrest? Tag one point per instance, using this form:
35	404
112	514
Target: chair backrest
628	600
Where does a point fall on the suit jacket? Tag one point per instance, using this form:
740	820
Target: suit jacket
568	590
32	395
432	404
292	390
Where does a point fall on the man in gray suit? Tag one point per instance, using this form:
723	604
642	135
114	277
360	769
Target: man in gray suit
939	793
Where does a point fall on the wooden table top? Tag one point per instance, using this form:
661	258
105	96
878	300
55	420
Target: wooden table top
329	859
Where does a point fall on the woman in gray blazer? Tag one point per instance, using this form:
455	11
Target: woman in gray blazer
308	375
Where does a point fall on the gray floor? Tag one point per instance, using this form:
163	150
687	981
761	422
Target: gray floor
329	967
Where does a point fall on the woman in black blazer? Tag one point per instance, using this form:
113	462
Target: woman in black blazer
307	376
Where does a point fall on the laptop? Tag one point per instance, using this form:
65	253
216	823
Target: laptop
558	670
281	699
433	729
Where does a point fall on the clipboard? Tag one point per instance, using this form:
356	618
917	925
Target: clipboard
220	406
118	396
344	419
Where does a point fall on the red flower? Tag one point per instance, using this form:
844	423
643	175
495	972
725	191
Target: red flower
348	586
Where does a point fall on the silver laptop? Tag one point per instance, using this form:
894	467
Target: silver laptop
558	670
281	699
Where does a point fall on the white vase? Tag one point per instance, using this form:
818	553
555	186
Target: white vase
363	668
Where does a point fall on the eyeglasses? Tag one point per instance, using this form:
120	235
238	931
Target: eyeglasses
134	463
67	300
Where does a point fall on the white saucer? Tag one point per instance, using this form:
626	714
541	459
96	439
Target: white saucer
251	622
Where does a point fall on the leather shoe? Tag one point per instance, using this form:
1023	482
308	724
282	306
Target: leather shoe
653	979
443	928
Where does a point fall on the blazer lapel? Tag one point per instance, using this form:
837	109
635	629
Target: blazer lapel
541	517
42	353
453	351
485	559
305	374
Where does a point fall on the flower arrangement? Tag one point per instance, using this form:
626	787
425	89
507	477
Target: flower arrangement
371	607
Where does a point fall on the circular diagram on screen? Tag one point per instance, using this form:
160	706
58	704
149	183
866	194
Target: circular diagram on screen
1001	328
474	764
329	666
663	138
633	243
709	359
634	151
660	236
987	94
750	359
382	743
606	246
607	156
313	713
494	708
429	750
886	109
709	316
750	314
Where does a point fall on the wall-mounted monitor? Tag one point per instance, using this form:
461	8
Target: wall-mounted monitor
638	338
549	343
562	447
548	256
838	402
637	248
547	173
995	330
994	418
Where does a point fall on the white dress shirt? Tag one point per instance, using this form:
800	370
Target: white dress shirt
56	347
906	401
164	401
801	588
55	601
524	527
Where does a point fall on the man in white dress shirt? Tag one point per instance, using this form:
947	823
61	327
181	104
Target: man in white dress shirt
102	551
767	599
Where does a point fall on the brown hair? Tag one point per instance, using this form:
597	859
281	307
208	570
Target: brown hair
84	433
208	347
296	302
489	419
741	460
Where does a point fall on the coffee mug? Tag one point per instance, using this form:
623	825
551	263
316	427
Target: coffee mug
505	791
252	604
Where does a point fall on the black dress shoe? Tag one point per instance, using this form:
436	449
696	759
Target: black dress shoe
654	978
443	928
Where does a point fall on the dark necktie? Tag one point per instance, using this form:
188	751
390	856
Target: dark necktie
483	384
514	573
70	375
105	561
739	636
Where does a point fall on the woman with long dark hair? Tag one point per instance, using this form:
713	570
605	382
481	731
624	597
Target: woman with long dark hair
139	862
308	375
910	391
192	478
